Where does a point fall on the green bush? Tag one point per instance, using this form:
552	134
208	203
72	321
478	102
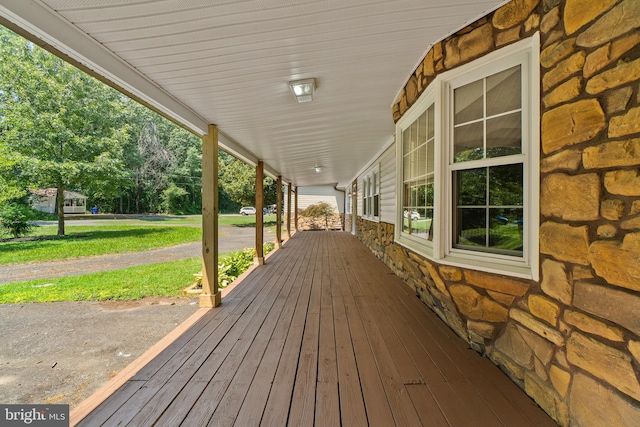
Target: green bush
234	265
14	219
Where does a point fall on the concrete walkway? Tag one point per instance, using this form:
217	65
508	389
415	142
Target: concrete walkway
231	239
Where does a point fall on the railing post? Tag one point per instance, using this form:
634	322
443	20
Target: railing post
210	296
295	214
289	211
259	212
279	212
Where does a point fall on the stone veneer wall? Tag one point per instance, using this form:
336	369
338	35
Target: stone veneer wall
571	340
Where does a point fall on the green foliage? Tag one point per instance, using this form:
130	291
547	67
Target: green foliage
173	198
14	219
234	264
321	209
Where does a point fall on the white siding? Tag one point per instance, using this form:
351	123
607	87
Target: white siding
360	193
315	194
388	185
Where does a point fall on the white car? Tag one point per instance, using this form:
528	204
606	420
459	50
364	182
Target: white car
414	215
248	210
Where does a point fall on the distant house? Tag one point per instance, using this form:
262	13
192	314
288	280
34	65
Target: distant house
44	200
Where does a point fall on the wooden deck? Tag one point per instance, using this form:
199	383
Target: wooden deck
323	334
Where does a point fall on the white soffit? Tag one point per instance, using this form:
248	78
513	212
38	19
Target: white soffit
229	63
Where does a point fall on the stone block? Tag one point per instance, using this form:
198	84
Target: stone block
615	305
536	326
476	306
607	231
567	91
593	404
626	124
635	207
532	22
544	309
563	70
542	349
593	326
581	273
612	208
617	100
612	154
496	283
555	281
436	278
553	37
565	242
631	224
623	182
564	160
412	90
513	344
468	46
634	349
452	274
571	124
428	64
503	299
560	379
624	73
546	397
572	198
618	262
556	52
622	19
578	13
561	359
603	362
507	36
483	329
513	370
513	13
607	54
550	20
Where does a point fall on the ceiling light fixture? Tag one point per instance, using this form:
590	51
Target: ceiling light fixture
303	90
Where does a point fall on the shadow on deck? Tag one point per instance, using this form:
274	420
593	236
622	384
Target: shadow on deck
323	334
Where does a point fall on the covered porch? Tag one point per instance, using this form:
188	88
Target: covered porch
322	334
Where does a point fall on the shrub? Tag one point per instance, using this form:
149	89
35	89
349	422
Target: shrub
318	210
234	265
14	219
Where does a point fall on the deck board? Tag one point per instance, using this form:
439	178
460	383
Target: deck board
324	335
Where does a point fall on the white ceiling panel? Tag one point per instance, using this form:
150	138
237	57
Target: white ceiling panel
229	63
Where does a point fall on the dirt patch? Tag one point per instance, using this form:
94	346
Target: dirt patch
63	352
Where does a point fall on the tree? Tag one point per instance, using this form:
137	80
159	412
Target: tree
63	126
318	210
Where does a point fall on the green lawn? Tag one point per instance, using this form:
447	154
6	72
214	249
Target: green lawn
164	279
94	240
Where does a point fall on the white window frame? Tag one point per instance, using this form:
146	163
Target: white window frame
527	54
371	193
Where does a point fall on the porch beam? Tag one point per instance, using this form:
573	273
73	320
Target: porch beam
295	211
289	211
259	213
279	211
210	296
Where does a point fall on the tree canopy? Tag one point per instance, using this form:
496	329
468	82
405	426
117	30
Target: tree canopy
62	128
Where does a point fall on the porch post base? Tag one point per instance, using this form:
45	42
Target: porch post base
258	260
209	300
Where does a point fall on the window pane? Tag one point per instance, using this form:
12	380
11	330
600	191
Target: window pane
406	137
430	156
506	185
468	102
471	227
421	155
505	230
504	135
468	142
413	138
422	128
376	207
430	122
503	91
471	187
406	168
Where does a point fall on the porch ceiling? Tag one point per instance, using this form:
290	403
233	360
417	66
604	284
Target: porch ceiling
229	63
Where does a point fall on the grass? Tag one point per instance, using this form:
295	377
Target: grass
94	240
153	280
246	221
